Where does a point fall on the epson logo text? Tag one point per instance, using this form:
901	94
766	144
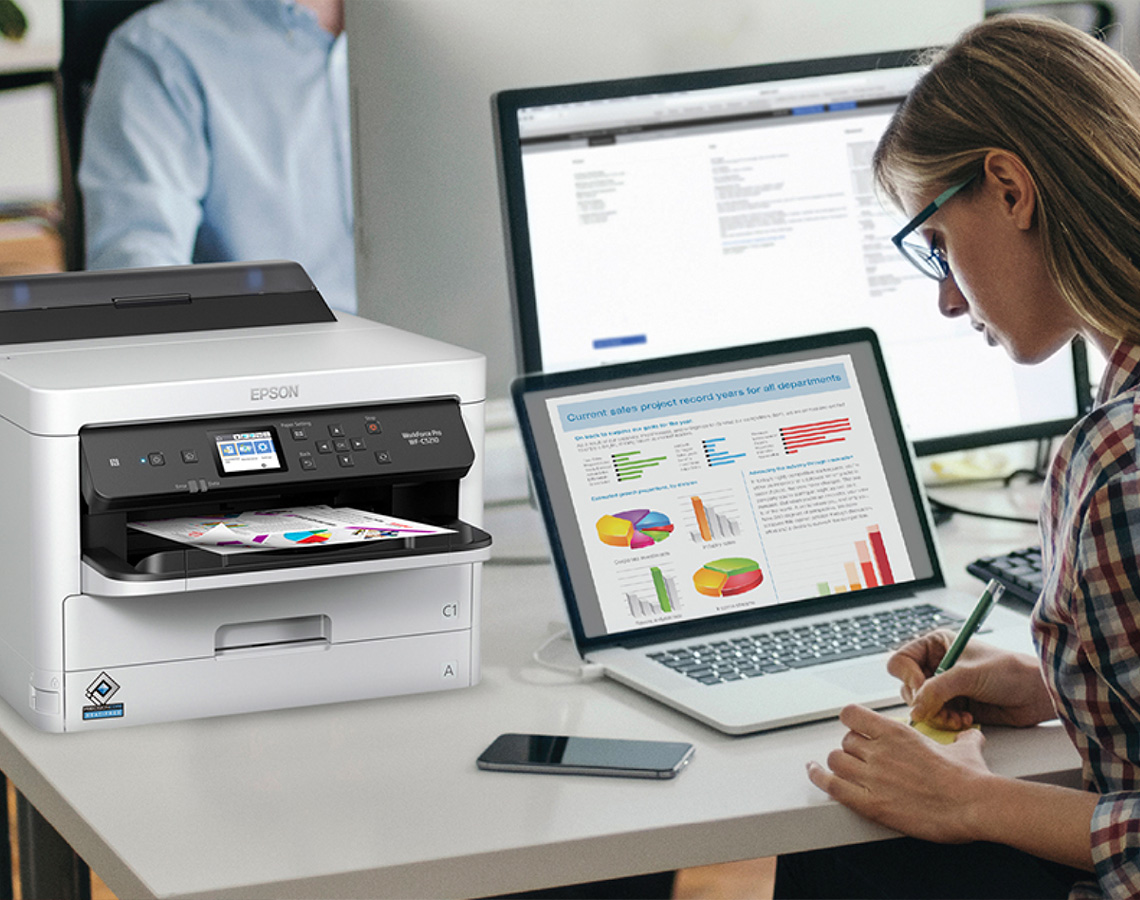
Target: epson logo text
280	392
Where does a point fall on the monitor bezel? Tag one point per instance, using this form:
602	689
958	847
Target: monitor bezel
512	190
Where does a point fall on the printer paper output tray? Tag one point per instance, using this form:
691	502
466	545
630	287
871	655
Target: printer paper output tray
175	566
407	459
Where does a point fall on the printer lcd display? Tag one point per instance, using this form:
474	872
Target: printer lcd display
244	452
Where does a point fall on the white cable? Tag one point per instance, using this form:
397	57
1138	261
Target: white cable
585	671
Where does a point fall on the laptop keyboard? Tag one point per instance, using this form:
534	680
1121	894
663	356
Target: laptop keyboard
781	650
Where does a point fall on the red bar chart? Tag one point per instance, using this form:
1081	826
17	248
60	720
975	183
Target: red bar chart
801	437
868	568
880	551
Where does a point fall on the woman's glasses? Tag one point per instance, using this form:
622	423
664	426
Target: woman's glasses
928	260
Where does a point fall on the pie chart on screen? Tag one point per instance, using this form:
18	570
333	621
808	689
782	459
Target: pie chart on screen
727	577
634	528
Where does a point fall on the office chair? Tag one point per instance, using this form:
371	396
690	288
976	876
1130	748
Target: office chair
87	24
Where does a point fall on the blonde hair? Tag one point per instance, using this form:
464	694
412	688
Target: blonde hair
1069	107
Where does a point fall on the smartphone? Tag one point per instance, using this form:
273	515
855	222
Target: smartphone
563	755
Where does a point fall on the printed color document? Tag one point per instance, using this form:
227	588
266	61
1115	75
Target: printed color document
278	529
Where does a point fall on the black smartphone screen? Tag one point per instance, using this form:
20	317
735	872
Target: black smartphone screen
585	756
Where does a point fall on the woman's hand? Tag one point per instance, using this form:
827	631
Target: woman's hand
985	685
890	773
893	775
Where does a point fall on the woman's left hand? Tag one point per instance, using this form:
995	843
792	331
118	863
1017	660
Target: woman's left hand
890	773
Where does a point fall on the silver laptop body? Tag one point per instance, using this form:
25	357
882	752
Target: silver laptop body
732	499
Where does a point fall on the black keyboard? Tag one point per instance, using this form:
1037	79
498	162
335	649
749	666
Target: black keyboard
1019	571
785	649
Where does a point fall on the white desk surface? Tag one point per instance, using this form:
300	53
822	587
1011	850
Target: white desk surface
383	799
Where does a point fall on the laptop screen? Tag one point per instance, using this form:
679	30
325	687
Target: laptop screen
743	484
657	216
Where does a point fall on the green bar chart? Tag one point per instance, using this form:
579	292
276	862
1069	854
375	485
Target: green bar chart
631	464
654	594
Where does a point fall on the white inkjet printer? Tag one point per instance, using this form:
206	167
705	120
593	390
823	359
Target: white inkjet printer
117	390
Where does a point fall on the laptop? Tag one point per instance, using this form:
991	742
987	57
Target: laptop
739	533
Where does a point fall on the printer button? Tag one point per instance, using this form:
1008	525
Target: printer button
372	427
358	444
346	461
299	434
156	459
189	456
324	446
383	456
340	445
308	463
336	431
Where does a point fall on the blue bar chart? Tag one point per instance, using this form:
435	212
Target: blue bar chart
717	454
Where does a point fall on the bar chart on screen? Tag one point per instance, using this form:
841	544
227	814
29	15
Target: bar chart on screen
849	565
631	464
713	516
718	452
802	437
650	592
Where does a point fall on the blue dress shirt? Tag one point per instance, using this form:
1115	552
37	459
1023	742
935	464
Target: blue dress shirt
218	130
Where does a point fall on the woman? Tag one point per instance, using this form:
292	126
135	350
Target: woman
1018	153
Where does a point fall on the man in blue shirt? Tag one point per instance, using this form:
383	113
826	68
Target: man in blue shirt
218	130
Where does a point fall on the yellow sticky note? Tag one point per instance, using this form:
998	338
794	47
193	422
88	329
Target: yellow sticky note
940	735
937	734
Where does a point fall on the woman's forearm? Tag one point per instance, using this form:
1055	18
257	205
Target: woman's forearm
1043	819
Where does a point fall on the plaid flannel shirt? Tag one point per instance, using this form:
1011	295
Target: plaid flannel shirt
1087	621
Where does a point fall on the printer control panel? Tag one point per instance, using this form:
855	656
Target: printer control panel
130	462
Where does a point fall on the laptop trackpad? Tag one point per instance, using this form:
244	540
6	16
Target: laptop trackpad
867	683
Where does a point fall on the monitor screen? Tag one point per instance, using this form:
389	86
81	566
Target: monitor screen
655	216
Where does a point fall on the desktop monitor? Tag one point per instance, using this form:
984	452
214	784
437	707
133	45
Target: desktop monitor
648	217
